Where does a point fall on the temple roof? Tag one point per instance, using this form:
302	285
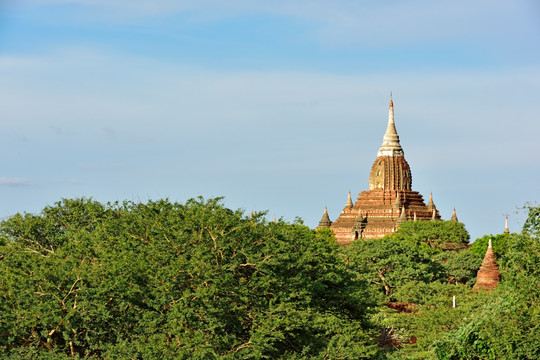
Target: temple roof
390	145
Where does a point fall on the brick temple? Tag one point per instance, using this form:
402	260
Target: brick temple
390	199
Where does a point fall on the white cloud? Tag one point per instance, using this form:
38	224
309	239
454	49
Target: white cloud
13	181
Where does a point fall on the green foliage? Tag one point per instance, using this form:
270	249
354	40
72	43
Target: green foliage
507	326
175	281
499	243
390	263
446	235
432	318
326	234
461	267
532	223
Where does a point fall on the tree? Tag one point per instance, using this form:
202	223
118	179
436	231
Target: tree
506	327
169	280
390	263
461	267
532	223
499	243
445	235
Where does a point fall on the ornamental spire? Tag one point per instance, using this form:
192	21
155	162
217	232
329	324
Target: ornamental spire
397	203
349	203
402	216
431	204
454	216
390	145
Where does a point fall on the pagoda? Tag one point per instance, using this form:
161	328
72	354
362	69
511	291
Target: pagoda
390	199
488	276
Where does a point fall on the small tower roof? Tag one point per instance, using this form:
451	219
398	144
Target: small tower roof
390	145
454	216
325	220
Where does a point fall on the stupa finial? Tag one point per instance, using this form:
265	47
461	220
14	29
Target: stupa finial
506	230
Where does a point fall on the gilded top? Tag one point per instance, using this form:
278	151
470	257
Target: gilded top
390	145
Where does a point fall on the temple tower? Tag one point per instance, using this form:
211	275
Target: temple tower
389	200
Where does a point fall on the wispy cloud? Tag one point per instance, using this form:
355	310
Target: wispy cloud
98	166
13	181
338	22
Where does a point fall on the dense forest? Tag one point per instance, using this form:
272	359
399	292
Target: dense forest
164	280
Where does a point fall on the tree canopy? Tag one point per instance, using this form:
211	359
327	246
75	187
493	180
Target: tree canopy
169	280
197	280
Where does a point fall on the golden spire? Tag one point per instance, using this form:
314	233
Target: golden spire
506	230
390	145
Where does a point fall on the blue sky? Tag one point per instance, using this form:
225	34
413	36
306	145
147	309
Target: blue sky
277	106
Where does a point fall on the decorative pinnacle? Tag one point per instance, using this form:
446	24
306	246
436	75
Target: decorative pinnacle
489	244
506	230
397	203
349	203
431	204
402	216
390	145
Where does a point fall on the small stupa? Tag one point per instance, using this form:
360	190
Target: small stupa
488	276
